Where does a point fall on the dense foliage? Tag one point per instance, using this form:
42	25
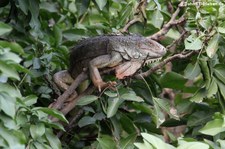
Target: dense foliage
186	97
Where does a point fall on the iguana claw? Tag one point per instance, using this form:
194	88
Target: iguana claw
103	85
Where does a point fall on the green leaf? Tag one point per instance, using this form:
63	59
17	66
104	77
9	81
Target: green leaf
199	95
87	120
8	71
74	34
219	72
192	145
127	143
158	4
15	47
205	22
30	100
14	139
131	96
127	124
37	130
82	6
221	30
34	10
39	145
8	122
7	104
125	14
85	100
113	105
199	118
193	43
213	127
4	28
57	35
192	71
9	56
144	145
205	72
213	45
101	3
52	112
50	7
72	7
157	19
142	107
36	63
158	115
165	106
173	80
212	144
10	90
106	142
111	94
52	139
156	142
24	6
53	124
221	87
213	88
222	143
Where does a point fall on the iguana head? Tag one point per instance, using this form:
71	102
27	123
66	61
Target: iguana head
140	48
150	51
142	51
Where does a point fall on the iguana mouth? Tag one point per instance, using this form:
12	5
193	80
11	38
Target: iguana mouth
152	60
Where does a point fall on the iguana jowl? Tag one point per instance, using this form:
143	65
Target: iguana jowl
126	53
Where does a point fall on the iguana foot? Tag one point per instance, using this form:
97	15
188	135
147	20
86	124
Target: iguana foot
112	85
103	85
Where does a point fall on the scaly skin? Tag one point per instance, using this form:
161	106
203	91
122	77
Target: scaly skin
126	53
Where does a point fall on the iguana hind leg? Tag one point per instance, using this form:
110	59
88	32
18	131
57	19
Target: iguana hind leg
63	79
103	61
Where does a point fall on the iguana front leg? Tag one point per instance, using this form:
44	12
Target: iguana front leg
109	60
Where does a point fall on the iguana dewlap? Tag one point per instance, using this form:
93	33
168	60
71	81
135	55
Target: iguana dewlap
126	53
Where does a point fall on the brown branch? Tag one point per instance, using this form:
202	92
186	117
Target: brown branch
71	124
53	85
125	28
61	99
160	65
73	102
66	96
139	15
168	25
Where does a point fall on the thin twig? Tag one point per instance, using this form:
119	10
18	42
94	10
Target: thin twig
71	124
125	28
175	42
139	16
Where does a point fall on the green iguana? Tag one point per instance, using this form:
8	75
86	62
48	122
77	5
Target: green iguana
126	53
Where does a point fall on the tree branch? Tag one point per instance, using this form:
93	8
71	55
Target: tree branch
168	25
61	99
160	65
125	28
139	16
